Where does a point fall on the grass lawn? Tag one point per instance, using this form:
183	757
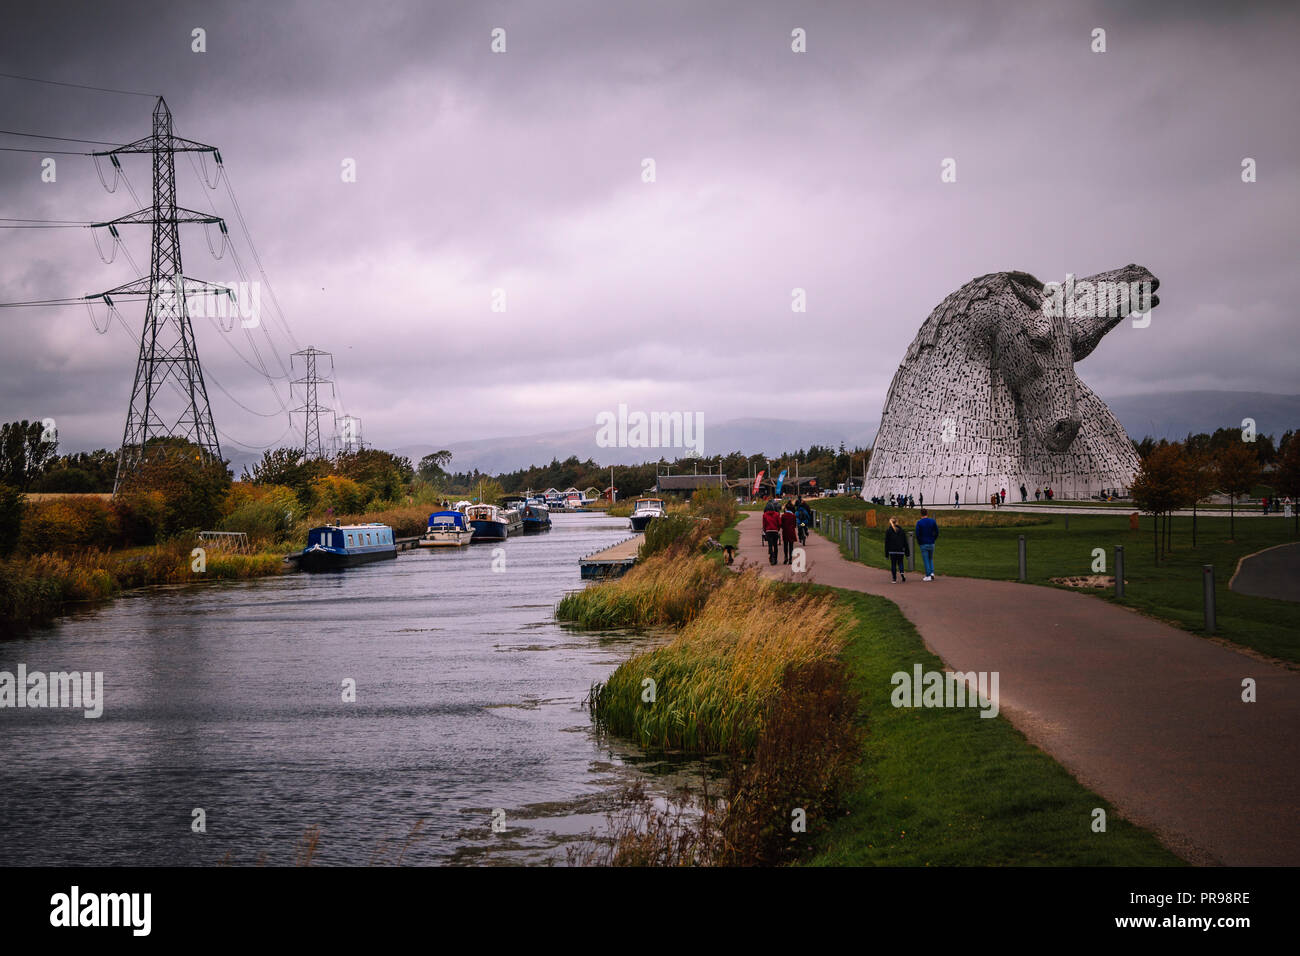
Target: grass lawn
946	787
1170	591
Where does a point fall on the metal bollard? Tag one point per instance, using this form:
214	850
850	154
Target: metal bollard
911	550
1119	570
1024	576
1207	578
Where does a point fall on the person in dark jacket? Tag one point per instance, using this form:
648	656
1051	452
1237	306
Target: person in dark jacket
804	516
927	533
771	529
895	550
789	531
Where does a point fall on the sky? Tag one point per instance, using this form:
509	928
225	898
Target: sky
523	171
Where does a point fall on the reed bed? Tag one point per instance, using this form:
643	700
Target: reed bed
667	590
713	685
38	587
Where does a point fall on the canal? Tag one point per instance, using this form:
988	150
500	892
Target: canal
229	699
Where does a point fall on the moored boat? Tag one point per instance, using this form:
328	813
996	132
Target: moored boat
537	517
491	523
334	547
447	529
645	511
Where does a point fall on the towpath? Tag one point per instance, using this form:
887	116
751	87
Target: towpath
1149	716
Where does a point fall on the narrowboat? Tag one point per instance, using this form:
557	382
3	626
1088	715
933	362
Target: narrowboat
537	517
334	547
447	529
491	523
645	511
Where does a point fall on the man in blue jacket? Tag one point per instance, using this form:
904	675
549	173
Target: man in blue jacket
927	532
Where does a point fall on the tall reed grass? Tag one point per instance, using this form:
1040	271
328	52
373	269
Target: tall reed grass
713	684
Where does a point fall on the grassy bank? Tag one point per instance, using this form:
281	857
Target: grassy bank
946	787
794	682
984	545
38	588
714	683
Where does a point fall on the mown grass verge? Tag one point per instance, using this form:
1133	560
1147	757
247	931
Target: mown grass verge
947	787
1061	546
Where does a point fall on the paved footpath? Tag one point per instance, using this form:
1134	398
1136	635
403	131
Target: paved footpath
1145	714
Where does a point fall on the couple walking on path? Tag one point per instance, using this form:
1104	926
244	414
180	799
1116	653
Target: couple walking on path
785	526
896	546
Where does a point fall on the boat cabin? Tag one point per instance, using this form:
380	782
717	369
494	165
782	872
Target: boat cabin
351	537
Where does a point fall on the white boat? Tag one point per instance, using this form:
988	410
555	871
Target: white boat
447	529
645	511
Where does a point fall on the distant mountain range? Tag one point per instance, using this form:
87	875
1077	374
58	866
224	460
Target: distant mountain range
1159	414
1175	414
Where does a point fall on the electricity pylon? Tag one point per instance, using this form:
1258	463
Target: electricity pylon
311	408
167	350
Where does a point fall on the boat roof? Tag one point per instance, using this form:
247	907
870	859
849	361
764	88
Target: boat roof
370	526
447	514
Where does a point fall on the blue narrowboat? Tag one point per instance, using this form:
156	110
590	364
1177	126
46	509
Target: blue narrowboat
334	547
537	517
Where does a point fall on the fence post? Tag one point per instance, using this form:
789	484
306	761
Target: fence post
911	550
1119	570
1023	575
1207	577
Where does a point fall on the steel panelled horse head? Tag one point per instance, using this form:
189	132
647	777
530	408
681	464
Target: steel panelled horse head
987	395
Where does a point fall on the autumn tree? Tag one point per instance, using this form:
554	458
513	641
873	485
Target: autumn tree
25	451
186	486
1287	477
1201	479
1161	485
1236	469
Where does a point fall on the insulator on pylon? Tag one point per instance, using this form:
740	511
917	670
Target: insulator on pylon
225	239
117	171
117	240
108	319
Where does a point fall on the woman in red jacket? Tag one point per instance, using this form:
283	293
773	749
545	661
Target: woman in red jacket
771	529
789	530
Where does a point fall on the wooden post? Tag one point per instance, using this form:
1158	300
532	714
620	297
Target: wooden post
1023	572
1119	570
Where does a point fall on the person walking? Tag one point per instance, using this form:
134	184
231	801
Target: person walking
804	515
1038	494
1024	492
771	529
895	550
1002	497
927	533
956	500
789	531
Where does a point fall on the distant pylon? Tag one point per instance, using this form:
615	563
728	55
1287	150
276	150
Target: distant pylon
350	439
311	408
167	350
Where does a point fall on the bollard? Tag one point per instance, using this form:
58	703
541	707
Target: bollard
855	542
1207	577
1023	574
1119	570
911	550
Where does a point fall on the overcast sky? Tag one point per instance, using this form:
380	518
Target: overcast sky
774	170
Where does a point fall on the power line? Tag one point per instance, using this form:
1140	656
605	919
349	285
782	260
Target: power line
64	139
79	86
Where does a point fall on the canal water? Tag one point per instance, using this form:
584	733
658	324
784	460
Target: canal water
228	698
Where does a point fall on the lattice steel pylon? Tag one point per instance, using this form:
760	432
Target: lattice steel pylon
311	408
167	349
